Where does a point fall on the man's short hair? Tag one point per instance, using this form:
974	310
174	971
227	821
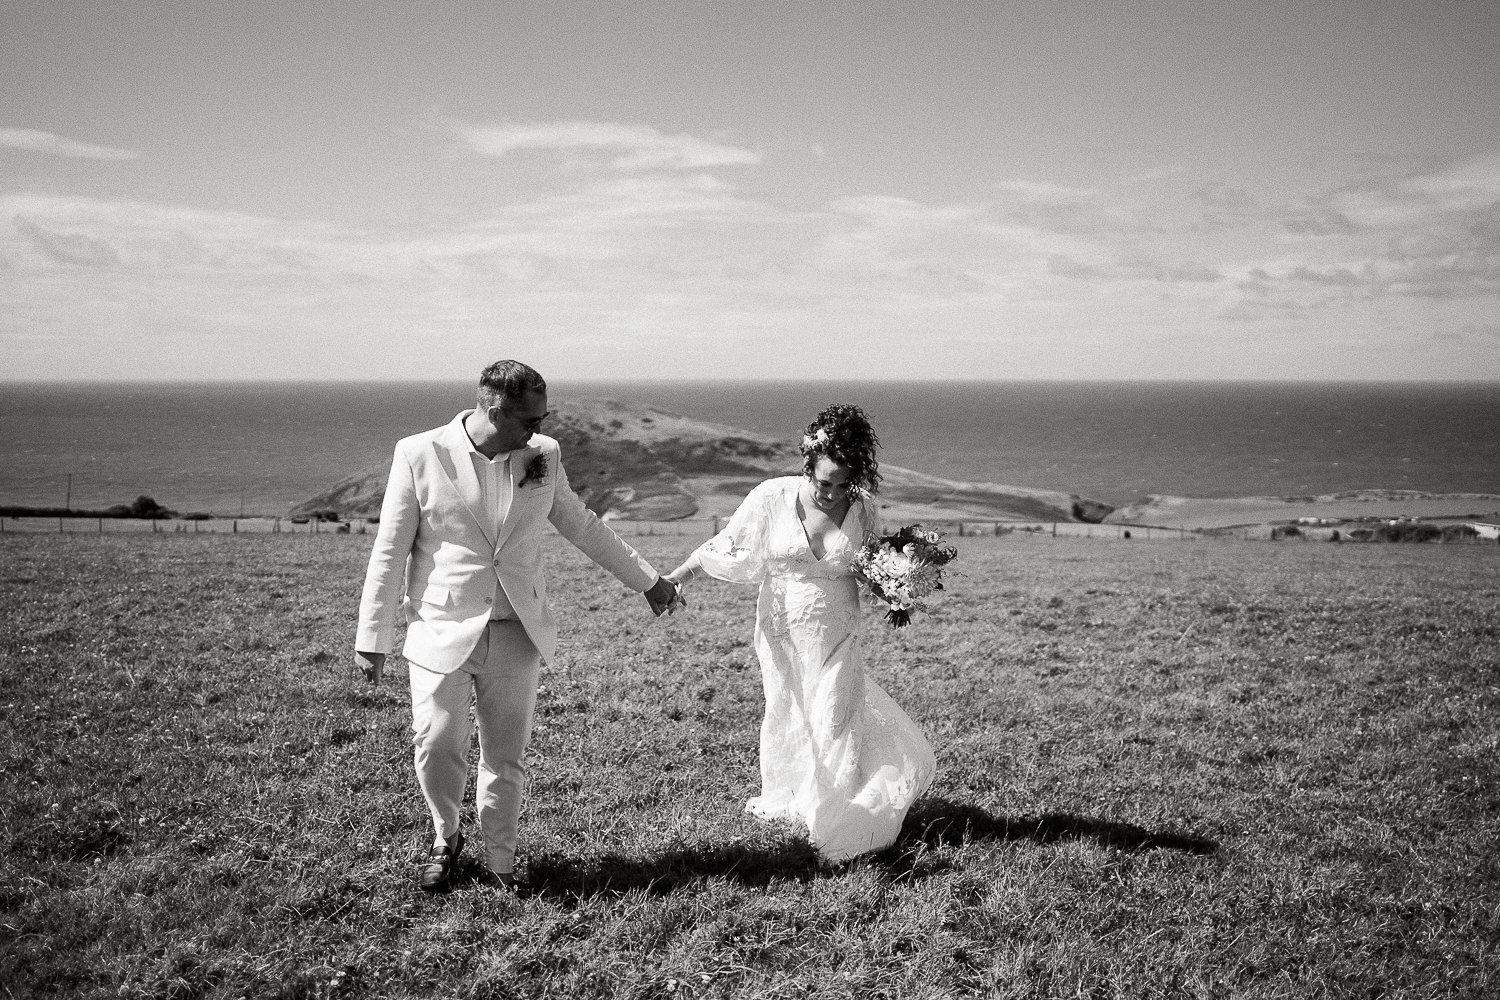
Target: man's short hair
507	382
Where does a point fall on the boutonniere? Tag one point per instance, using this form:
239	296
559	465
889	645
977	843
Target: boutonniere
536	471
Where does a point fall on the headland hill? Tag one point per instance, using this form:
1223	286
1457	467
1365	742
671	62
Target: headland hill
642	463
635	462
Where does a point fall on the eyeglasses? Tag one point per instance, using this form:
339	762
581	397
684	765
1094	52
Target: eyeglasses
532	425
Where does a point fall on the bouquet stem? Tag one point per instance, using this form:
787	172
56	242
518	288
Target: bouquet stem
898	617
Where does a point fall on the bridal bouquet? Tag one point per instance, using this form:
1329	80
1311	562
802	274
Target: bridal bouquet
902	569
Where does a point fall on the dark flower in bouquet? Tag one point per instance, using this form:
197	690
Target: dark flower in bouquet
902	569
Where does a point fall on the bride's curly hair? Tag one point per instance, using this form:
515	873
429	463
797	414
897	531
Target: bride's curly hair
843	433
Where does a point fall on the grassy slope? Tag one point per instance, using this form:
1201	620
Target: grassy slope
1208	768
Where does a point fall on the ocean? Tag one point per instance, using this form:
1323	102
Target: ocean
259	448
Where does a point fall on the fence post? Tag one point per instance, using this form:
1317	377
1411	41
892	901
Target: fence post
101	525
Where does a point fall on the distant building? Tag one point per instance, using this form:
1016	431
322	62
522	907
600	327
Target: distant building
1486	530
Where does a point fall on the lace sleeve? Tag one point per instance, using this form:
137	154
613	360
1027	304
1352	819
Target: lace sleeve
738	553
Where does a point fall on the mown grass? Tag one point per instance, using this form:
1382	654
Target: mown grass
1199	769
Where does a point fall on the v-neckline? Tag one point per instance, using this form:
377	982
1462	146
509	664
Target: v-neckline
806	538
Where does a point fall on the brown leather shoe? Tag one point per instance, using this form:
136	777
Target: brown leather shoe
438	870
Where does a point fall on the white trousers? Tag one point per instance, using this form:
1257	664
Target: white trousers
499	680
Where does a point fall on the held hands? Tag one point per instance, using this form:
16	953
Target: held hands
678	601
679	578
664	595
372	665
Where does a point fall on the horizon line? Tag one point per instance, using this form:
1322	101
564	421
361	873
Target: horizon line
660	380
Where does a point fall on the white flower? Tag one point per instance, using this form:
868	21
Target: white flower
810	442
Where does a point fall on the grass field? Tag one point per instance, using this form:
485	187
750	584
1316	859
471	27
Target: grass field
1196	769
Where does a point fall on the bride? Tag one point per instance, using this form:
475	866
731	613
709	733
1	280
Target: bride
835	751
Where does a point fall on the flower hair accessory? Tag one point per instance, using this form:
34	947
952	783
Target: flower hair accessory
536	471
811	442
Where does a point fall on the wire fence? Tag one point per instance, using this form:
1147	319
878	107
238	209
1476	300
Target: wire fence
702	528
179	526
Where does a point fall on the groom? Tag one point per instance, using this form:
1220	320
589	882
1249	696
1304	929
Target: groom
461	527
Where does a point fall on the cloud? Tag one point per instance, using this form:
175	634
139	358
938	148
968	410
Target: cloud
51	230
1157	174
1332	277
1320	221
1430	234
1229	207
885	211
1414	199
636	265
1059	209
634	147
1445	242
1256	310
1469	184
1032	241
885	246
33	140
1224	197
1066	267
1189	274
67	248
1045	191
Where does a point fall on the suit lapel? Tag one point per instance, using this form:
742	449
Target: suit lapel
517	470
460	467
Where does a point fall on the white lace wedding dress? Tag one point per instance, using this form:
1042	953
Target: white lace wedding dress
835	750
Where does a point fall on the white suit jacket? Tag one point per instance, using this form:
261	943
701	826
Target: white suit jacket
437	543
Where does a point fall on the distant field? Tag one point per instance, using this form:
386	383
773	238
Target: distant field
1208	768
699	527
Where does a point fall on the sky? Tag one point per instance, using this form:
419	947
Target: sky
1153	189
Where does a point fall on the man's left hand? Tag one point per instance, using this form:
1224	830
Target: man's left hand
372	665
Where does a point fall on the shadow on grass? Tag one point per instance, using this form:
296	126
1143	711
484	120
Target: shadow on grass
939	822
572	879
931	822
